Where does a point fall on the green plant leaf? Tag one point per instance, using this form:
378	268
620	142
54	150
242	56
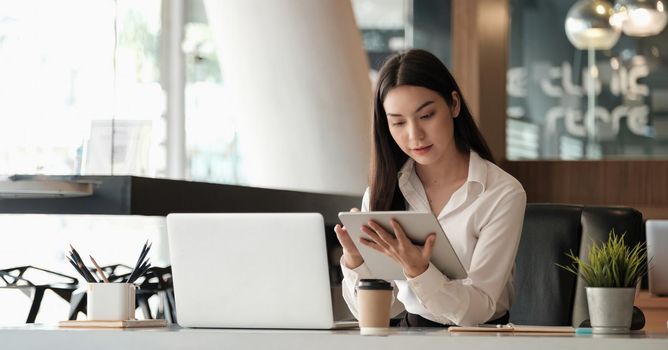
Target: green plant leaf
610	264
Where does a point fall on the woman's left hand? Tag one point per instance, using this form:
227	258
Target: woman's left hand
413	258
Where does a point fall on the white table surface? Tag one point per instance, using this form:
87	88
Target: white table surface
173	337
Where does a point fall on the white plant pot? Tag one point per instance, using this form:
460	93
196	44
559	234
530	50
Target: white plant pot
610	309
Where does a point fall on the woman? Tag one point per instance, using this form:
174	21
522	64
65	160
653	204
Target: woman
428	155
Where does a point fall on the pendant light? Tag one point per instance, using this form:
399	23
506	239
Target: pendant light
640	18
588	25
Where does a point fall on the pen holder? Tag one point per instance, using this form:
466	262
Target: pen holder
111	301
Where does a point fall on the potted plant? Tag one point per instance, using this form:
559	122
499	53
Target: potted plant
611	271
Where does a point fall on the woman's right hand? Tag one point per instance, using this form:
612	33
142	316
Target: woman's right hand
351	256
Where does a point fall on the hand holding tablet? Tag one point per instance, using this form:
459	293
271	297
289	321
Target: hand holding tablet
417	226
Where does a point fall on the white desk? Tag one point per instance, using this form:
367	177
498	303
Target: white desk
51	337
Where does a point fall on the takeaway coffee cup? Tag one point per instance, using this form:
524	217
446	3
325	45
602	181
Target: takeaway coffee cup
111	301
374	298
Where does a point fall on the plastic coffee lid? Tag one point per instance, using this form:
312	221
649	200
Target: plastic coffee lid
375	284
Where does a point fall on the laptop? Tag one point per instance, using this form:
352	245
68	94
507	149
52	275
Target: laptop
657	254
251	270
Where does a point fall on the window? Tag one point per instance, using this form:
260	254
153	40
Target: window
211	134
71	84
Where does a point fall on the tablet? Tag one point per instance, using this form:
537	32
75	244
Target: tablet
417	225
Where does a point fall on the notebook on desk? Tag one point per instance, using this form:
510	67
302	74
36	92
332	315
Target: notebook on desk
251	270
511	328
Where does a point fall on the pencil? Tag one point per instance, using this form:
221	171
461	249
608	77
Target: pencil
99	269
142	255
77	259
76	267
142	271
87	273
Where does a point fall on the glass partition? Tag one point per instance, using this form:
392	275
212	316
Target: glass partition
395	25
549	82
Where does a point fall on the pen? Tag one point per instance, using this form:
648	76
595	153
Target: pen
99	269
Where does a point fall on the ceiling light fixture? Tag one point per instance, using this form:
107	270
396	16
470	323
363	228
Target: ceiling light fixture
588	25
640	18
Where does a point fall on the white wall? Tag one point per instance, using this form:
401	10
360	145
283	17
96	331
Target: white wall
302	95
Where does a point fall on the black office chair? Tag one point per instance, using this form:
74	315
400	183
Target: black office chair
157	281
544	293
15	278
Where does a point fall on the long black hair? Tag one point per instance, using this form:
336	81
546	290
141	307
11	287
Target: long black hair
416	68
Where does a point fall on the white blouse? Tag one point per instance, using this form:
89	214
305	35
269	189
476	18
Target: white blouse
483	221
